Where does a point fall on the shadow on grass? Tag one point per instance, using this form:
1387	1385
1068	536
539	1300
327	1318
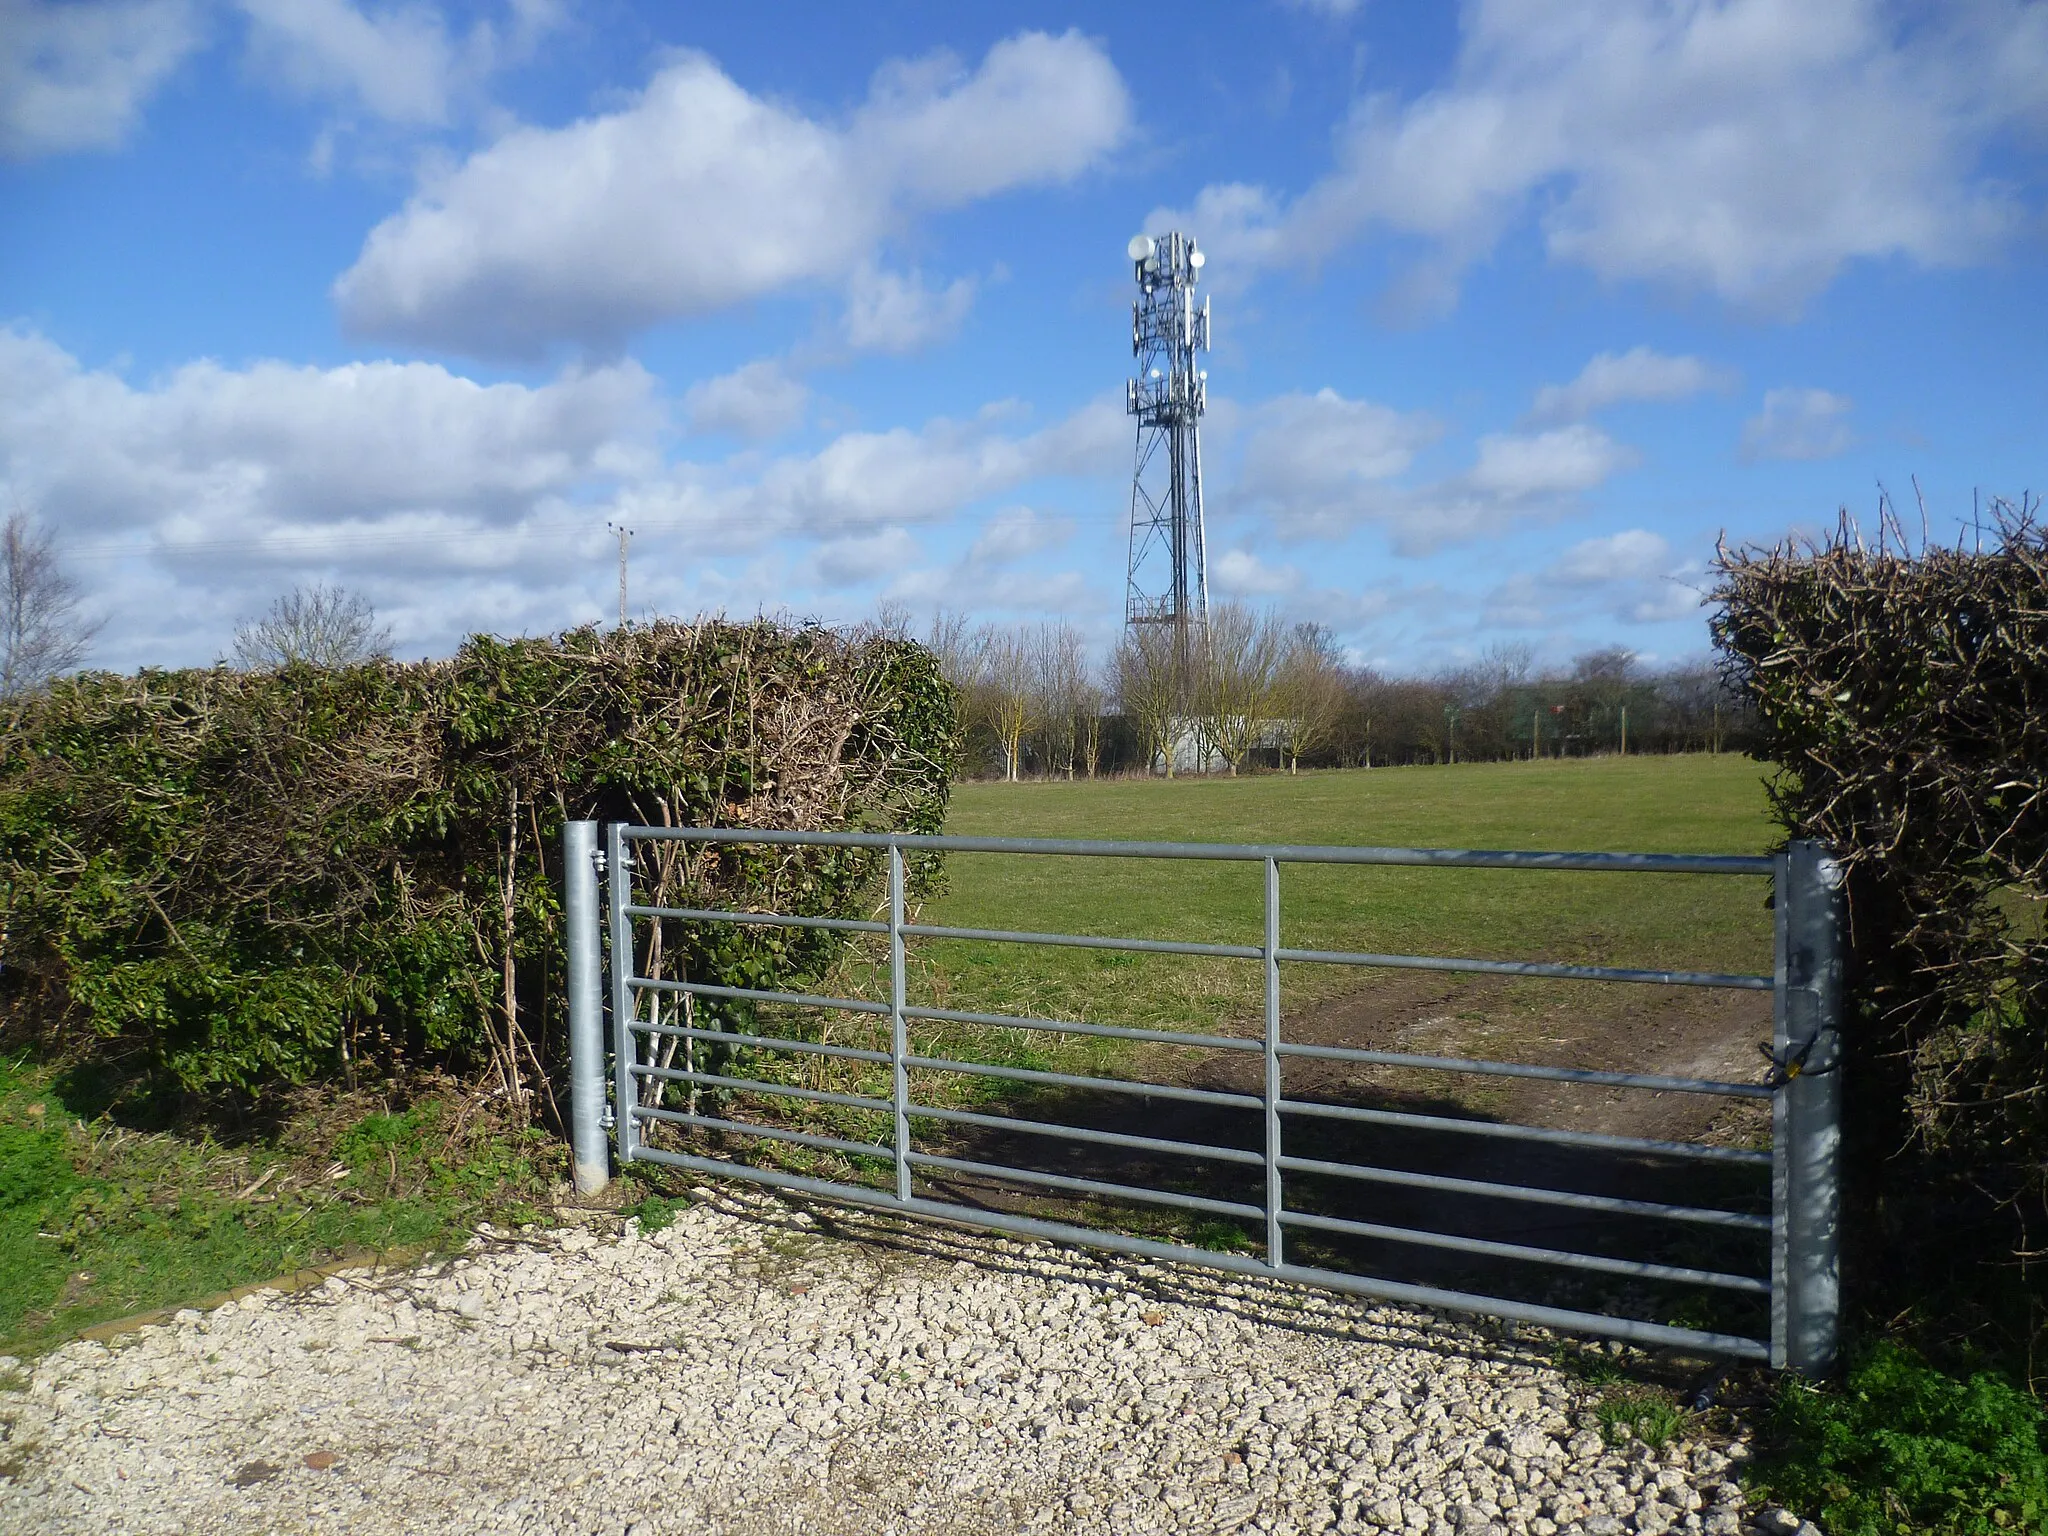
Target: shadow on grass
1439	1216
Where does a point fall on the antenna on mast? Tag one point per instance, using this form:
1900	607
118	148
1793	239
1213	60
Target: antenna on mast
1167	580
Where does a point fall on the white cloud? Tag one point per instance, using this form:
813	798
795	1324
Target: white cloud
1014	534
1563	461
398	63
698	195
1798	424
1320	466
229	484
889	313
75	75
1619	378
1310	460
757	401
1630	577
1747	148
1241	573
1627	556
1334	9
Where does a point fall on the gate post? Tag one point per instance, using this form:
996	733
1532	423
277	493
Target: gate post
588	1154
1807	1121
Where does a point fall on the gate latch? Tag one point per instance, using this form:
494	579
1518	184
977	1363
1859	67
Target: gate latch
1792	1063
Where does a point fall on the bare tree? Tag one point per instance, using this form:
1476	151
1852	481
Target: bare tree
1237	681
45	634
889	621
1062	666
1147	678
319	626
1009	681
1309	695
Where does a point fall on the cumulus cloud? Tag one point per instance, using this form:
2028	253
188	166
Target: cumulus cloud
886	312
76	75
1630	577
1798	424
1321	466
194	498
1746	148
757	401
1240	573
399	64
1311	461
698	194
1638	374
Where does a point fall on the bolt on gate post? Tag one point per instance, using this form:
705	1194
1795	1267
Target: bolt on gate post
589	1156
1806	1113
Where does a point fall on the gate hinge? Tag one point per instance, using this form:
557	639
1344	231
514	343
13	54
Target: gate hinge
597	861
610	1120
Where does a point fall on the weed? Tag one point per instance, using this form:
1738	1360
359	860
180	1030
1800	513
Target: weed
1220	1237
1634	1413
1901	1446
655	1212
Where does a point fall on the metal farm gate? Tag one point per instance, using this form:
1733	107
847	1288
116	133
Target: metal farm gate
1800	1229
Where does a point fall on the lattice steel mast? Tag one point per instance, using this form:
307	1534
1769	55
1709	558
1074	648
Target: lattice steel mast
1168	579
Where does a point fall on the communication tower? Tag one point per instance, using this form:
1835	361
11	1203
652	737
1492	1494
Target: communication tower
1168	580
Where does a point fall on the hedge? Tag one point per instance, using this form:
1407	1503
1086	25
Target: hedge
240	879
1903	693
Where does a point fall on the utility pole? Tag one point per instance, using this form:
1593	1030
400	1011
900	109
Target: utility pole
1624	730
625	537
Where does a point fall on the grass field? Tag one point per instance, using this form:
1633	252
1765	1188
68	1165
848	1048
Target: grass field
1699	804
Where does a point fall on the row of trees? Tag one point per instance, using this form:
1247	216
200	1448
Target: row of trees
1256	690
1259	691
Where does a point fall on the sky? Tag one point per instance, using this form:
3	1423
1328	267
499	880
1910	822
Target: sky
1520	306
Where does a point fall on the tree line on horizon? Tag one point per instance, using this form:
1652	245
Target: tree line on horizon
1259	692
1263	692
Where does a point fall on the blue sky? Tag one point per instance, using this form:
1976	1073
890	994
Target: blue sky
1519	305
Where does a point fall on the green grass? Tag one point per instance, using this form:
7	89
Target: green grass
98	1222
1709	804
1700	804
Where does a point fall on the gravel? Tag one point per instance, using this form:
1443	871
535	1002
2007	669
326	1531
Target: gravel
756	1368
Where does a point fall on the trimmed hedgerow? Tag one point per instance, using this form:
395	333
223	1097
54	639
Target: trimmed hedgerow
1903	694
241	878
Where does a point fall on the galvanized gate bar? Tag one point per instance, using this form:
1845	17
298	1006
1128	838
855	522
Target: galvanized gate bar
1088	941
1243	853
1072	1027
768	919
1599	1263
1086	1186
1802	1287
1530	1194
1082	1133
1531	968
769	1042
1521	1069
1595	1140
619	891
1070	1080
755	1085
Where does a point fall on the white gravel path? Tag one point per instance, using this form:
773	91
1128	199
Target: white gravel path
743	1372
